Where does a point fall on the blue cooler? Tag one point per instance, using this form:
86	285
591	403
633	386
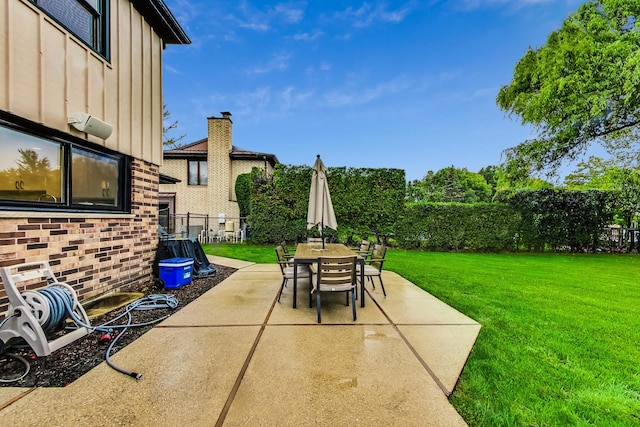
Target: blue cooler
176	272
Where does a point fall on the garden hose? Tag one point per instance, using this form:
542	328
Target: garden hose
5	356
148	303
60	304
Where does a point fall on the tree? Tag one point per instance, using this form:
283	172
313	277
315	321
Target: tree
31	164
627	186
598	174
167	125
490	175
581	87
452	190
450	184
594	174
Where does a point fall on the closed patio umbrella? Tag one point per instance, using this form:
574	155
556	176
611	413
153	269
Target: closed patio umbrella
320	210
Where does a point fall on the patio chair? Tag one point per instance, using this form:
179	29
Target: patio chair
365	249
314	240
287	254
336	274
287	269
373	266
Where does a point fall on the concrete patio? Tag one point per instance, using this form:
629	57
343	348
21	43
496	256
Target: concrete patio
236	356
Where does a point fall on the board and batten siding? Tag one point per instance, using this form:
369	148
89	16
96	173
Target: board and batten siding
47	75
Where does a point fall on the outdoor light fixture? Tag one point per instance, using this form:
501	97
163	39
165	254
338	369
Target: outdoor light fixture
87	123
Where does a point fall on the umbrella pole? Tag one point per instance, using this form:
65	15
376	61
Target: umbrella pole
322	217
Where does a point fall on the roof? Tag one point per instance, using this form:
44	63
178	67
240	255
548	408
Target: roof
238	153
198	150
158	15
166	179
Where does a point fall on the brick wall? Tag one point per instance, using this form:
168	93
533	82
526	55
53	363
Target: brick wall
189	198
219	195
92	253
221	181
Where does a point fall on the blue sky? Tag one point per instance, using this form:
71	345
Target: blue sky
402	84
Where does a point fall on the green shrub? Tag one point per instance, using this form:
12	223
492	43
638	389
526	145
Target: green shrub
562	219
243	193
478	227
367	203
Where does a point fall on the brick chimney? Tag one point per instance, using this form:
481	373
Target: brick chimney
220	132
220	187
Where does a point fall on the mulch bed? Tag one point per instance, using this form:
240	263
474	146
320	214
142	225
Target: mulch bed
70	362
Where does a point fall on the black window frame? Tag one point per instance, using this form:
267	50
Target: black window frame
100	27
68	141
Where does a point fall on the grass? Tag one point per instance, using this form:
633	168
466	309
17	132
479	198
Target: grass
559	345
243	251
559	339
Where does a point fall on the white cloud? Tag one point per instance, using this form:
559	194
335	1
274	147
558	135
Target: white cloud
260	98
290	99
477	4
351	97
255	19
266	102
184	11
367	14
307	37
171	69
289	13
278	62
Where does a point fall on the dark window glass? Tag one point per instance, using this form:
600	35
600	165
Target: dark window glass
55	174
198	174
86	19
30	168
94	178
72	14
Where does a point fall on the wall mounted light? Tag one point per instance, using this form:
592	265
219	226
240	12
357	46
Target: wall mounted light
87	123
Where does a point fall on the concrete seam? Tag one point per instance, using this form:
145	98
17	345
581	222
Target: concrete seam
413	350
16	398
243	370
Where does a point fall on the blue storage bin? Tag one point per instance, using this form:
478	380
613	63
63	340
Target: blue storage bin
176	272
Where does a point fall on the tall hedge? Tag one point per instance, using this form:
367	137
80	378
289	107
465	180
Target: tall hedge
243	193
370	203
366	202
562	219
476	227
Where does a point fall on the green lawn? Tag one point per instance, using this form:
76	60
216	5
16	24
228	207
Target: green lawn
560	338
244	251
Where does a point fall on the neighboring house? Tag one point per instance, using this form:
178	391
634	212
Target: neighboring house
81	137
207	170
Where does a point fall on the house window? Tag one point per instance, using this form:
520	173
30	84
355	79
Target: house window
86	19
94	178
44	171
197	172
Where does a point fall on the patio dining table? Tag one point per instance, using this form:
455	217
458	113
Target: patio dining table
310	253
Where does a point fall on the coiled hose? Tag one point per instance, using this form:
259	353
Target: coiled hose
60	304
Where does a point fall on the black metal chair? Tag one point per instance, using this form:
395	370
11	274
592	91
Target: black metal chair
373	266
287	269
285	248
